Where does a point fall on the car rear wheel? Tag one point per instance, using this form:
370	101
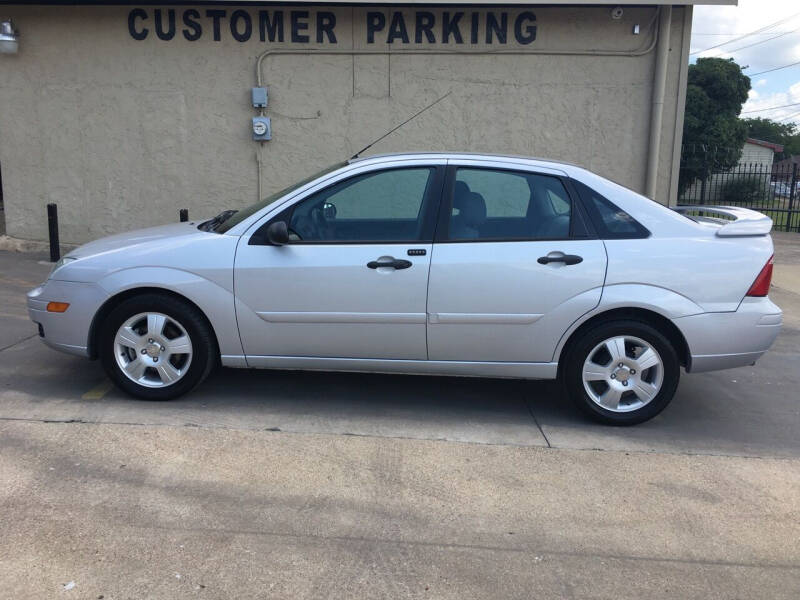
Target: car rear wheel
622	372
156	347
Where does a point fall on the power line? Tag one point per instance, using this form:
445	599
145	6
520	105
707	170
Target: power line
762	41
744	112
791	116
738	33
757	31
775	69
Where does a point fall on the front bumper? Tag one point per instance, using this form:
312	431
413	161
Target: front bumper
731	339
67	331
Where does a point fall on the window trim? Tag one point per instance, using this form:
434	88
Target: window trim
428	209
577	219
596	219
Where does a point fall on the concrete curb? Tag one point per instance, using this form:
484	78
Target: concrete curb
10	244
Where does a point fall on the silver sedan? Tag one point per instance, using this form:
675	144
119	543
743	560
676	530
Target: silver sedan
441	264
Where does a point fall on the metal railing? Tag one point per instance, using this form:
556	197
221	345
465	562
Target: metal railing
772	189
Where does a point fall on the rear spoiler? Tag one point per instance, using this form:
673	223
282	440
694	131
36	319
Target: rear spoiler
735	221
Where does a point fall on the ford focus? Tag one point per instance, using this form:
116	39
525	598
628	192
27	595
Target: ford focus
439	264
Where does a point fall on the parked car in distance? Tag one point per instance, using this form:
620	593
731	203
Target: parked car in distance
442	264
780	188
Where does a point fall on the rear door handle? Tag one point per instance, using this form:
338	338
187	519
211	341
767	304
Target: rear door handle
567	259
397	263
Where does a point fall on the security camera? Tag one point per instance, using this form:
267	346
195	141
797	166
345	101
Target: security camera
616	12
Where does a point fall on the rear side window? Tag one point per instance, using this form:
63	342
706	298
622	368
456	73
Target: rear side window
501	205
610	221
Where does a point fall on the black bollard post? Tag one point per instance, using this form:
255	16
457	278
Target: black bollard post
184	214
52	225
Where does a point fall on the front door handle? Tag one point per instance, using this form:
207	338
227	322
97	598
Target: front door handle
567	259
397	263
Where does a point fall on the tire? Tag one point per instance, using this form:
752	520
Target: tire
157	347
611	381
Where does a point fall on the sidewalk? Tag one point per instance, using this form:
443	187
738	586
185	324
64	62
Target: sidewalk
787	261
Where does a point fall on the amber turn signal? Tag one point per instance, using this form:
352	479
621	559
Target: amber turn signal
58	307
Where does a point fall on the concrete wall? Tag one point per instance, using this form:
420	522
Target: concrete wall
122	132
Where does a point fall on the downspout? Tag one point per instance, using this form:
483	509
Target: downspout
657	110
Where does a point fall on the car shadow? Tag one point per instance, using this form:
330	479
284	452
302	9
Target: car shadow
718	413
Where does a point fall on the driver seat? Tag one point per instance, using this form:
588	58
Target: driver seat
471	213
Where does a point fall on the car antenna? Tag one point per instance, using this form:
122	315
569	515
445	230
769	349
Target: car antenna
411	118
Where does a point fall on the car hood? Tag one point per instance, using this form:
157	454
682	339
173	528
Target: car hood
180	247
132	239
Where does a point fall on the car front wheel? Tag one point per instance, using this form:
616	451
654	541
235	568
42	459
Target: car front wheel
156	347
622	372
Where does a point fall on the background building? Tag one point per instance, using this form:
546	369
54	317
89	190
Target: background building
746	182
124	114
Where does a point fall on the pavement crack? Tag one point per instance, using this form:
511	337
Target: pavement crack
477	547
549	447
33	335
535	420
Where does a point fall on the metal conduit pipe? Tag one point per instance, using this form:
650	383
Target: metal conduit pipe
654	40
657	110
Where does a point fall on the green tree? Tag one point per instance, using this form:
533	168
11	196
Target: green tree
786	134
713	134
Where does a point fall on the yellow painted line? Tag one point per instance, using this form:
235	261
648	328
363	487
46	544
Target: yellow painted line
98	391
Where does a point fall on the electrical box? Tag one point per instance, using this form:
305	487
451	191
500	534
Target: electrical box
262	129
259	97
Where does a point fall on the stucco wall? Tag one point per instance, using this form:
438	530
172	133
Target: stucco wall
122	132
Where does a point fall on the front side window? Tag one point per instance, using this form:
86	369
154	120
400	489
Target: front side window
241	215
387	206
500	205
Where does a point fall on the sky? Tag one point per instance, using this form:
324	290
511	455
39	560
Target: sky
774	26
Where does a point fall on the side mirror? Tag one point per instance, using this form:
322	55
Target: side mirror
278	233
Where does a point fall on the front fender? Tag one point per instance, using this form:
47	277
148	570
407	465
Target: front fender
214	299
664	302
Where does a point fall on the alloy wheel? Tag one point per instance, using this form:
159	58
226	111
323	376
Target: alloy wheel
623	374
153	349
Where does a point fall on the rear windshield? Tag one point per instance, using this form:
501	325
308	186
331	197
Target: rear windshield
254	208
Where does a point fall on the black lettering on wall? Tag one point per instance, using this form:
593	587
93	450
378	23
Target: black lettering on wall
450	26
244	17
492	24
270	28
527	35
137	34
326	21
424	24
375	22
473	30
397	29
298	26
170	33
217	15
501	29
194	30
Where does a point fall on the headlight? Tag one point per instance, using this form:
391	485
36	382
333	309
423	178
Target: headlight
64	260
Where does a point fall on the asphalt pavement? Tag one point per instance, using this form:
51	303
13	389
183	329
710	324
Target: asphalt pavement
282	484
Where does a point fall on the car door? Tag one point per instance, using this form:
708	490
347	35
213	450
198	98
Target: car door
513	265
352	281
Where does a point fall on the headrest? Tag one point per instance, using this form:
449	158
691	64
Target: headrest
473	210
460	193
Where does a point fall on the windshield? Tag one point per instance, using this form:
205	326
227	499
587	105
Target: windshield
241	215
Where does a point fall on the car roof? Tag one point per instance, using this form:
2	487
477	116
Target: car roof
465	155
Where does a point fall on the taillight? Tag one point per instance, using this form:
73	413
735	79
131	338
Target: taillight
760	286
